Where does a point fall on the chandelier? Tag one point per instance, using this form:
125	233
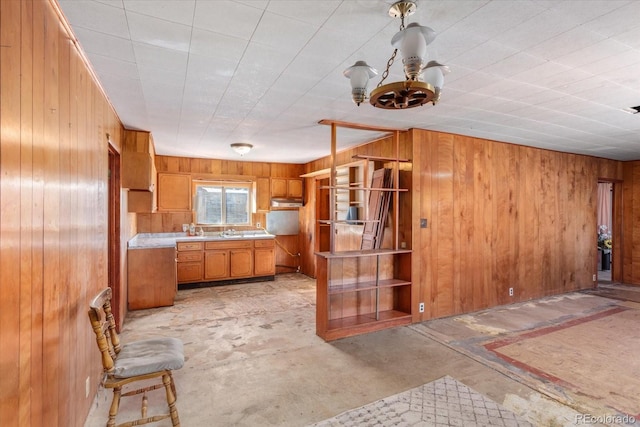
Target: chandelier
423	80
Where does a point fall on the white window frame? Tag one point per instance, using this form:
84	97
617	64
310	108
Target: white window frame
249	185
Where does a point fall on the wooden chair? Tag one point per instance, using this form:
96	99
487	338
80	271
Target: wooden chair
135	361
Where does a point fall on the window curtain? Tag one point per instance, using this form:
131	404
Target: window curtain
604	205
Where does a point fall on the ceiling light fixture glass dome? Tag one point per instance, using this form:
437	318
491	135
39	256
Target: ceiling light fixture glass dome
241	148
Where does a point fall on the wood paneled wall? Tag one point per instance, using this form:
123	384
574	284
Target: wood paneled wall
631	223
53	218
227	167
500	216
164	222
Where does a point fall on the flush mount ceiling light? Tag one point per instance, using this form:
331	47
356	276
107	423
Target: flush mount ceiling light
241	148
423	79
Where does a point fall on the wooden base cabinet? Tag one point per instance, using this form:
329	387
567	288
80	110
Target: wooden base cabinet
190	262
240	263
215	260
264	258
216	265
151	277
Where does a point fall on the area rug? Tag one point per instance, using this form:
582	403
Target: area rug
581	356
444	402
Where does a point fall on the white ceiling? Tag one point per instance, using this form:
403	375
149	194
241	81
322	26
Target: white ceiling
202	74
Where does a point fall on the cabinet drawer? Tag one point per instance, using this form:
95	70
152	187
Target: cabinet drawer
229	245
189	256
267	243
189	246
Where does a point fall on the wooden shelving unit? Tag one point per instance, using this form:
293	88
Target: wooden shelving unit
360	291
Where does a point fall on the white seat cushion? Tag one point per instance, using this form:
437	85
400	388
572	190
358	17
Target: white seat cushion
147	356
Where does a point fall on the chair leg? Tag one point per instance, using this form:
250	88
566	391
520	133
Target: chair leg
171	400
115	404
173	386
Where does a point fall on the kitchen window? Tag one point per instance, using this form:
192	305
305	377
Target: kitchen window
223	202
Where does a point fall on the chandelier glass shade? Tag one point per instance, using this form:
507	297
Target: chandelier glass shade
423	79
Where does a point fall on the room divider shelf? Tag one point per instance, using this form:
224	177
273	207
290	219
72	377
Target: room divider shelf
362	290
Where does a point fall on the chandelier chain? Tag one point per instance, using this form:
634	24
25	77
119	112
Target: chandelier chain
389	64
393	56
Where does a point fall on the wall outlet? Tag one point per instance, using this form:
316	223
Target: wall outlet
423	223
510	292
258	225
421	307
594	278
87	387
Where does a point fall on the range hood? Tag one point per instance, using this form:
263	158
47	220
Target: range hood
286	203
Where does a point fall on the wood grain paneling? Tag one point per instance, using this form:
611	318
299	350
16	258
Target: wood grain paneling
631	223
499	216
53	217
502	216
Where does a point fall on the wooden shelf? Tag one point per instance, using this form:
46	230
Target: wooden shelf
365	286
349	222
362	290
356	325
353	254
345	187
379	158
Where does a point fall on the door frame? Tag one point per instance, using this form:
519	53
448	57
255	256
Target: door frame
616	232
114	253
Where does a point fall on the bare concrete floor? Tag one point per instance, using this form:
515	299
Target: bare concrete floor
253	359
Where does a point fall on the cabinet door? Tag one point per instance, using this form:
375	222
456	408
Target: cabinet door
263	196
279	187
174	192
141	201
241	262
190	266
294	188
151	277
264	262
189	272
216	265
137	170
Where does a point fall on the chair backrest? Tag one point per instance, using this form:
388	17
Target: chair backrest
104	326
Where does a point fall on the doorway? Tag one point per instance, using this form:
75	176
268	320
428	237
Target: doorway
608	232
114	277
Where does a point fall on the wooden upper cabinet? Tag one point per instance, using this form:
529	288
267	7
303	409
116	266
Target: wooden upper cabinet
279	187
137	171
174	192
263	194
294	188
138	158
286	187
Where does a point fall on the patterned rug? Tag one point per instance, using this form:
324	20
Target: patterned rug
444	402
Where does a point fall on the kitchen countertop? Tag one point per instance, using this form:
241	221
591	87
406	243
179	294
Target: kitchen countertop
169	240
